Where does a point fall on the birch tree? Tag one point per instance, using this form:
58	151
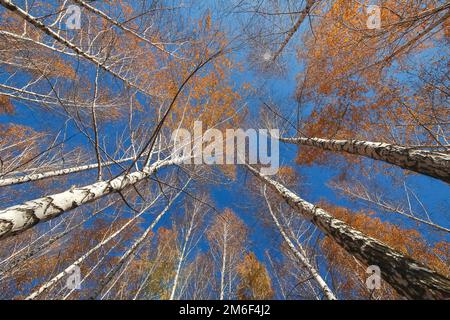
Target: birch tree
226	238
190	232
433	164
407	276
404	240
300	254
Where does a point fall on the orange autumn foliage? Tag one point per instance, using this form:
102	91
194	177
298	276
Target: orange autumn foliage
6	105
351	84
255	283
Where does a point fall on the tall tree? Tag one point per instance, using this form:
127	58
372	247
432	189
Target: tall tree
227	236
406	275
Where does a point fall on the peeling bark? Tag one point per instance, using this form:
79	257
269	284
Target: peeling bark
409	277
433	164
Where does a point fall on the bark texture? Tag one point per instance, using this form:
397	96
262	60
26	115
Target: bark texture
409	277
301	256
433	164
19	218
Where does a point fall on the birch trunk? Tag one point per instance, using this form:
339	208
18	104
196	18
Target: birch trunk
182	257
224	262
295	27
19	218
56	173
109	277
177	273
301	255
433	164
410	278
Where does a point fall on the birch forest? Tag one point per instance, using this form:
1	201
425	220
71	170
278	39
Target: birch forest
224	150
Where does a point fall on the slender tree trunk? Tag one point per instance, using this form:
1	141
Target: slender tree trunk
109	277
91	270
56	173
96	130
180	263
295	27
69	269
433	164
409	277
19	218
184	253
301	255
55	35
224	263
177	273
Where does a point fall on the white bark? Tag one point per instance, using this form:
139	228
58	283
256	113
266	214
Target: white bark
302	16
50	99
136	244
409	277
433	164
184	251
35	250
177	272
224	261
56	173
19	218
91	270
301	255
23	38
